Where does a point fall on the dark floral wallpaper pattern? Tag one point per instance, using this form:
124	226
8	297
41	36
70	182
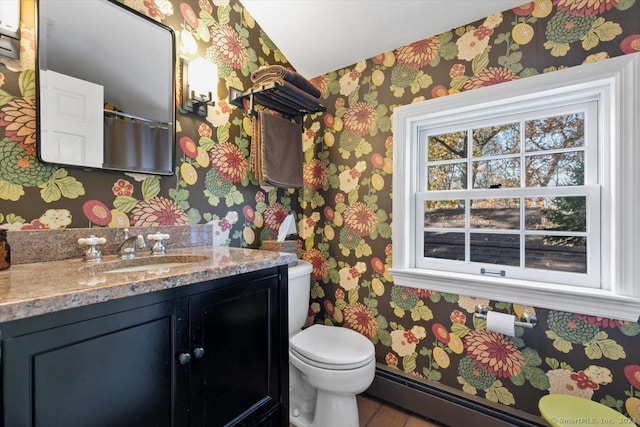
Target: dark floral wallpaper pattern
344	210
211	184
347	214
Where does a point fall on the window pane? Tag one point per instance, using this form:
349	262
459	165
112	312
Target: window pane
447	146
555	132
444	245
555	170
496	140
501	214
556	253
556	213
444	213
495	248
447	177
504	173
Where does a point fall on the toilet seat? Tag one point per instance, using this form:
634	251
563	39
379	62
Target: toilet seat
332	347
329	366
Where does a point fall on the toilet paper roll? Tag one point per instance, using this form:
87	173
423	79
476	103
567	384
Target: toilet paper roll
501	323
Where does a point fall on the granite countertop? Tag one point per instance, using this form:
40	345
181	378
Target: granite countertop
44	287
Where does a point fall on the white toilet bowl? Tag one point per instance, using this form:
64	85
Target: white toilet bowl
328	365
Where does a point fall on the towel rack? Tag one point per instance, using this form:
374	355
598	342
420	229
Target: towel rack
275	97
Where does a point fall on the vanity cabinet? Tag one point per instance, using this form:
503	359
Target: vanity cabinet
207	354
107	371
233	370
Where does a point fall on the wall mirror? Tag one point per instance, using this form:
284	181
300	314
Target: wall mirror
106	87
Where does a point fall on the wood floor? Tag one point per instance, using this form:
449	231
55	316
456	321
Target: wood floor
375	413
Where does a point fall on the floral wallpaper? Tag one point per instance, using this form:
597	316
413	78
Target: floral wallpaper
344	210
212	181
347	214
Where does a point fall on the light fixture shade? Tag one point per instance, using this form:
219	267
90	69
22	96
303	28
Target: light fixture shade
203	78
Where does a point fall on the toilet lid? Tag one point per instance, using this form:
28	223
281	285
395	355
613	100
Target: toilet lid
330	366
332	345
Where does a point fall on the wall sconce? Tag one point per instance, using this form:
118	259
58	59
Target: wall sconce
199	85
10	28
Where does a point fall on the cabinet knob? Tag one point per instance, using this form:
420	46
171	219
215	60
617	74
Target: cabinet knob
198	352
184	358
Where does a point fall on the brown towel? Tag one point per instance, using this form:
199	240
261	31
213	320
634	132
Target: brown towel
276	151
296	96
278	72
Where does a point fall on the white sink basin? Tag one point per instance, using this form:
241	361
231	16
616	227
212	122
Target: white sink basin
153	264
149	267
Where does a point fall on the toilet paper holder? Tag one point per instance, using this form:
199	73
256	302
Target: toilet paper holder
528	321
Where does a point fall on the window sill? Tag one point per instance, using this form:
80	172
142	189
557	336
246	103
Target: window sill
594	302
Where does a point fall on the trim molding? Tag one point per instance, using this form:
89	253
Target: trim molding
445	404
595	302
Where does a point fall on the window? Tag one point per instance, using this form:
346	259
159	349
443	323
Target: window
512	195
524	192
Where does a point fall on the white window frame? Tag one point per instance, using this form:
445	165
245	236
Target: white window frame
618	296
583	100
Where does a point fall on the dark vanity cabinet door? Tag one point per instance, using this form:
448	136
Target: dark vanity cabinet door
114	370
210	354
236	368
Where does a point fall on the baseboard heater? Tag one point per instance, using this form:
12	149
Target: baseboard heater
445	404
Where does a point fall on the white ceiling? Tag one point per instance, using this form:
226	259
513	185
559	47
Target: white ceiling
319	36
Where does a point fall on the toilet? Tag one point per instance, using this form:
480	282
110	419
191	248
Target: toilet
328	365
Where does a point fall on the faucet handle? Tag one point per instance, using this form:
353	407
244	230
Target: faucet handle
158	236
157	248
92	254
92	240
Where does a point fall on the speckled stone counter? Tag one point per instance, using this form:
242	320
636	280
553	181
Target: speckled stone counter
36	288
51	245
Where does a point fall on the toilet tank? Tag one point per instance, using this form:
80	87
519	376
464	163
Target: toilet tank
299	294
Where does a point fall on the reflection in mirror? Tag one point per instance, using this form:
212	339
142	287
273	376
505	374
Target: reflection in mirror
106	77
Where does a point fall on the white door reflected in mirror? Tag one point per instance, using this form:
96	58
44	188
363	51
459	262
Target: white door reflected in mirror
71	120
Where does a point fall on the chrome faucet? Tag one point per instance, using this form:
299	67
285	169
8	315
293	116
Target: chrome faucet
128	247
